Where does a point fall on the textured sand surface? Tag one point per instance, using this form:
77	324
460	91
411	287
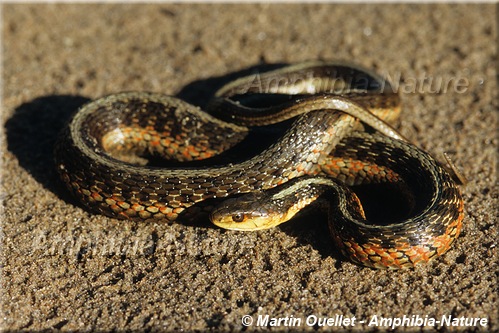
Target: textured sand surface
64	268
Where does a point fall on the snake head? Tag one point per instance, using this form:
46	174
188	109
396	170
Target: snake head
250	211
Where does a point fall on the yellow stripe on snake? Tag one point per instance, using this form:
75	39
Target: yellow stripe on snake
336	135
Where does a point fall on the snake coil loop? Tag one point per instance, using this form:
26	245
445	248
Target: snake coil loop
103	155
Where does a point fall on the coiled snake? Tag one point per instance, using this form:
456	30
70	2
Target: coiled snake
103	153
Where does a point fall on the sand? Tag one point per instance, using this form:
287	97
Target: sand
64	268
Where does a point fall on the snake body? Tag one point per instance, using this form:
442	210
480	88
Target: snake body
100	154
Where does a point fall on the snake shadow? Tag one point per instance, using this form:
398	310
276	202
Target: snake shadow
199	92
312	229
32	132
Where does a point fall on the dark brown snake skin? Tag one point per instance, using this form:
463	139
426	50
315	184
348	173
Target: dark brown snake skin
102	155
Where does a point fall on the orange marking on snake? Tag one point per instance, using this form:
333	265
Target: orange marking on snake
96	196
186	153
136	207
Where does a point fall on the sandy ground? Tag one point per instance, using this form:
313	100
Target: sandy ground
65	268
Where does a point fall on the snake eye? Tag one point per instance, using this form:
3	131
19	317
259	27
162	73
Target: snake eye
238	217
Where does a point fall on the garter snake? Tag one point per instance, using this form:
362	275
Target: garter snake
100	156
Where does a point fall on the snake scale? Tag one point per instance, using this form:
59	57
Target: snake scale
329	111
